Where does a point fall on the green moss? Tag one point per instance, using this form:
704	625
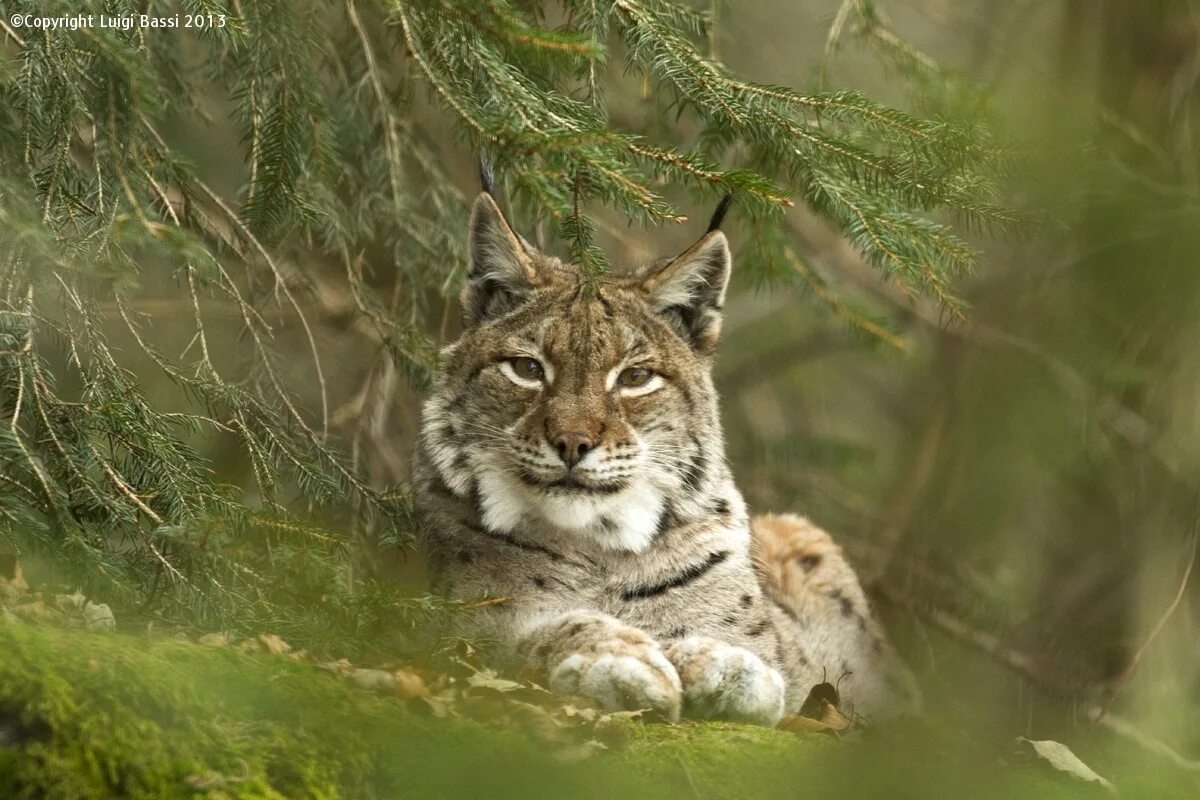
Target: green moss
114	715
103	715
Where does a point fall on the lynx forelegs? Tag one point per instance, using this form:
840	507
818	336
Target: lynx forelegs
621	667
725	682
598	656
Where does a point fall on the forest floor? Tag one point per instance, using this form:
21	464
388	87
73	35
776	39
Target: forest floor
91	715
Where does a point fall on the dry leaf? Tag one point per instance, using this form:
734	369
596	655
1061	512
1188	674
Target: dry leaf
539	723
819	713
819	696
377	680
835	719
409	684
1059	756
793	723
486	679
339	667
98	617
532	675
430	706
574	713
36	611
613	729
486	682
70	602
213	640
575	753
12	583
273	644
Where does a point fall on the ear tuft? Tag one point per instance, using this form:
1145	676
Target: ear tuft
487	176
501	272
718	216
690	290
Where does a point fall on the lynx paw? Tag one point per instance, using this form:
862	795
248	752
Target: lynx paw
623	673
725	682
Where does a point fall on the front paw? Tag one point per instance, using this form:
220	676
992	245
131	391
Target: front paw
627	671
721	681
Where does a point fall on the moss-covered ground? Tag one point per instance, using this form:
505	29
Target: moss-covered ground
113	715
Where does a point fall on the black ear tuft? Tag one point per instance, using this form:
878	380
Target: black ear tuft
690	290
719	215
501	273
487	177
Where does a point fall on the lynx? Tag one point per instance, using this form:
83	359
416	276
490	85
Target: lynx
572	463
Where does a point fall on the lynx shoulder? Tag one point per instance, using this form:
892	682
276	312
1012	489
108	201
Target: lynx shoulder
572	461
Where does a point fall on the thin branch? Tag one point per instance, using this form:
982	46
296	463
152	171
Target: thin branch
281	282
1021	663
1131	668
389	122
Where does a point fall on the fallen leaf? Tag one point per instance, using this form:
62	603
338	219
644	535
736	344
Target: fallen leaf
539	723
532	675
573	754
1059	756
459	658
614	729
486	679
273	644
819	696
35	611
575	713
430	707
409	684
794	723
12	582
377	680
821	706
98	617
70	602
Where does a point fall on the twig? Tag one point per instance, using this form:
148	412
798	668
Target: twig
688	774
1021	663
1126	730
839	308
389	122
914	485
11	33
491	601
1123	678
281	282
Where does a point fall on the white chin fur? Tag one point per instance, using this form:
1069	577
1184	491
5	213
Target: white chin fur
624	520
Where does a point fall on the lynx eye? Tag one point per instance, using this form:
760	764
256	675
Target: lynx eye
634	377
525	369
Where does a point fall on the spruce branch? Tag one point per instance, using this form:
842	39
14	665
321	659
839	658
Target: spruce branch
333	226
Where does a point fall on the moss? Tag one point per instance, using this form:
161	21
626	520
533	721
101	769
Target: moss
98	716
90	716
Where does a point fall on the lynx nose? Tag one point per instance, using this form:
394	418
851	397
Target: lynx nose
572	446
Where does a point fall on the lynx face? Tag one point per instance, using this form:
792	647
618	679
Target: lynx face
591	411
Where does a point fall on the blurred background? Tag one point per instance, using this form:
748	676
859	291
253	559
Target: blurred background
1019	488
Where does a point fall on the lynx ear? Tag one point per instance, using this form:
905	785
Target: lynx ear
690	290
502	272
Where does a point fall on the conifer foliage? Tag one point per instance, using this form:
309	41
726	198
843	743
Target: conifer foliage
336	185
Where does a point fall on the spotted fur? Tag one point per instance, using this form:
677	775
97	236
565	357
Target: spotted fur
572	462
